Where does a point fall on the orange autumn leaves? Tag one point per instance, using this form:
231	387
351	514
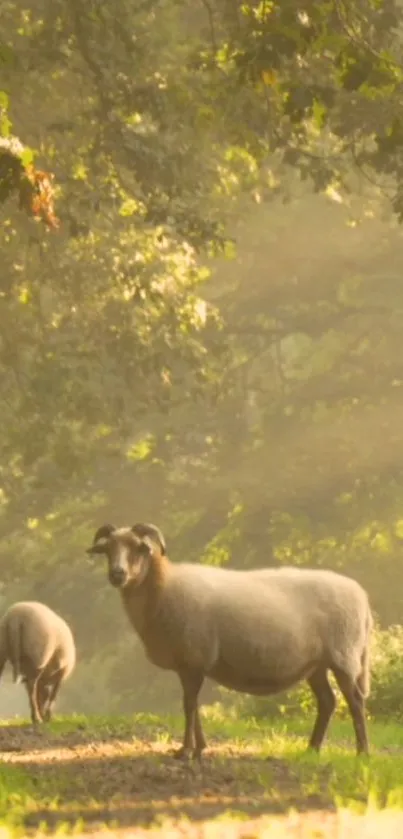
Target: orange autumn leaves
36	195
34	186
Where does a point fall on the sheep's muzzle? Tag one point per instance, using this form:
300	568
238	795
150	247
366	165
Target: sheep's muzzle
117	577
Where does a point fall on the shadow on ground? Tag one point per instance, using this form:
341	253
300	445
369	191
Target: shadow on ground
136	782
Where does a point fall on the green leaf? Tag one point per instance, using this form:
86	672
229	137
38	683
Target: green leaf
4	101
27	156
319	114
5	122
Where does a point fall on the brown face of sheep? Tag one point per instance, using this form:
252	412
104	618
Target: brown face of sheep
128	556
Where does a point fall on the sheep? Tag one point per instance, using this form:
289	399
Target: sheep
257	632
40	647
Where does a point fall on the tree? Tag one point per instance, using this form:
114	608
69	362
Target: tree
239	409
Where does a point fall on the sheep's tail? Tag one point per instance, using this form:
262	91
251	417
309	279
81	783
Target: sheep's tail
3	649
14	632
364	677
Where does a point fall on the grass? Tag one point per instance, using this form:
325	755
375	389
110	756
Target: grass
80	774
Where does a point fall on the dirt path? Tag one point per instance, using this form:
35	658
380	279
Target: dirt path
134	782
128	784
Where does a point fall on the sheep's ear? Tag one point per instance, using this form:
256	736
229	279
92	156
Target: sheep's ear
99	547
146	548
152	532
101	539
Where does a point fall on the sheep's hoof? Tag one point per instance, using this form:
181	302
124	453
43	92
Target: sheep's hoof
183	753
187	754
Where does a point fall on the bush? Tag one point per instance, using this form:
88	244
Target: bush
386	697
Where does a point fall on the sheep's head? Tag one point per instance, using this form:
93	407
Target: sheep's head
128	551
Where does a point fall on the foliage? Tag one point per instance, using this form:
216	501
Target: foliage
251	408
387	681
18	174
321	84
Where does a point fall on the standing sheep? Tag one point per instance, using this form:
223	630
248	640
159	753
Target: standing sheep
40	647
258	632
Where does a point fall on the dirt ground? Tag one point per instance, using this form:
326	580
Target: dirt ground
130	784
136	782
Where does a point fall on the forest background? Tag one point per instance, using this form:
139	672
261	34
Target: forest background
212	339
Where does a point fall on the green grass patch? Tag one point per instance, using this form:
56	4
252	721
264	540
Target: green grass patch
80	771
17	795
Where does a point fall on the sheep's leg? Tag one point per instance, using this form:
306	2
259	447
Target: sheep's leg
32	690
193	737
3	662
326	704
53	689
356	704
199	736
42	695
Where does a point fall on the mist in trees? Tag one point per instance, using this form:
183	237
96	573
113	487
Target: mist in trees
210	337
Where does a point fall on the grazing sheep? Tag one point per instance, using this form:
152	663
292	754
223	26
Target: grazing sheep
40	647
258	632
